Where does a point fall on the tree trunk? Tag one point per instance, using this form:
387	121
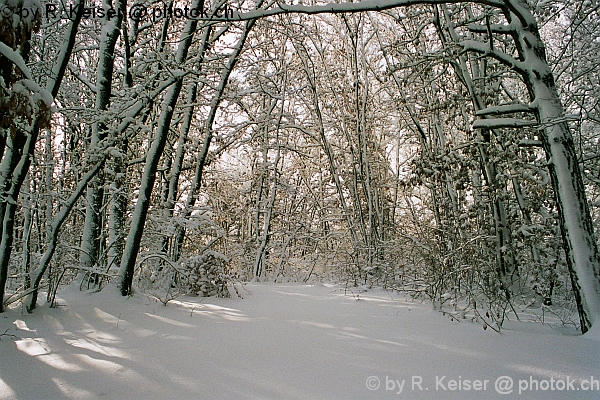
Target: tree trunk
214	106
574	215
178	162
575	221
153	156
60	219
579	241
327	148
260	252
116	215
90	241
13	178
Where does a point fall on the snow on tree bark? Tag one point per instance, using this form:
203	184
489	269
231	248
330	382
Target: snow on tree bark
153	156
90	241
574	216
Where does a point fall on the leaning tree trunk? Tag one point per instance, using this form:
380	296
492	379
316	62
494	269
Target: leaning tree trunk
140	213
118	188
153	156
574	215
55	227
208	125
177	164
575	220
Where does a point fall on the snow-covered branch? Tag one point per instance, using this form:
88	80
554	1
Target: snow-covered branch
505	109
494	28
16	59
494	123
484	48
349	7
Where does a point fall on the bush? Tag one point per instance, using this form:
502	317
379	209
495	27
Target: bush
208	274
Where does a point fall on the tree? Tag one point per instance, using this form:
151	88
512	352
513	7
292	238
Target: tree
24	129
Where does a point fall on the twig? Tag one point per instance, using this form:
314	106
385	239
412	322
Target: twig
9	334
197	304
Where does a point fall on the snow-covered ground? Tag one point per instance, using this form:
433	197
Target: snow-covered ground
282	341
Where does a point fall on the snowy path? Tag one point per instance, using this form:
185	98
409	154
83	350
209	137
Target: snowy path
282	341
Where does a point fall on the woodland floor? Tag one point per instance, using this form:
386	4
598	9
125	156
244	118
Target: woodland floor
281	341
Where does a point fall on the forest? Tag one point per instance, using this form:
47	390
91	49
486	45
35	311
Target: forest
444	149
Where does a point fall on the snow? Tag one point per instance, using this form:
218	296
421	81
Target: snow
334	7
281	341
16	59
493	123
570	195
25	86
504	109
